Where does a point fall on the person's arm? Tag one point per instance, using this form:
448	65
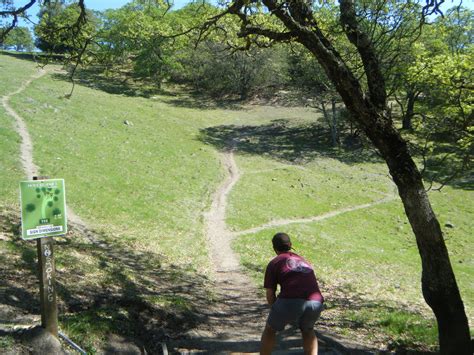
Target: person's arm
271	295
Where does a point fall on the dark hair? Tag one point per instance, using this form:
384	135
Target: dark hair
281	242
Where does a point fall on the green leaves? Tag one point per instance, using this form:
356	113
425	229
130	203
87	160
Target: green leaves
19	39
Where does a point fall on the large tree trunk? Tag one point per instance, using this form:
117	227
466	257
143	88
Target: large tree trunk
438	282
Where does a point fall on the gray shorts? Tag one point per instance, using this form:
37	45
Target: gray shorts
302	312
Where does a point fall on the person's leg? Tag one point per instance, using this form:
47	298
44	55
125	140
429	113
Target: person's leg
310	342
312	310
268	340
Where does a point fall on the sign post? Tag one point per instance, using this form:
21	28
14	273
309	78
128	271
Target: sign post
43	215
47	278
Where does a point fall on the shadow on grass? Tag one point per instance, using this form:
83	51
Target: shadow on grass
285	142
112	84
91	77
105	288
194	100
401	330
450	165
282	141
33	57
125	84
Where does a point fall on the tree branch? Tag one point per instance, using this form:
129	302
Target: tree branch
362	42
273	35
14	13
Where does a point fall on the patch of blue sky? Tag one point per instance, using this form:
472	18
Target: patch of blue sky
101	5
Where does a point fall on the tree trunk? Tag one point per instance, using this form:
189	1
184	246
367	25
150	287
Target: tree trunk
407	118
439	285
328	121
438	282
334	132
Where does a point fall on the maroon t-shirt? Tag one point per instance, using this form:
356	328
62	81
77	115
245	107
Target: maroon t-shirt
295	277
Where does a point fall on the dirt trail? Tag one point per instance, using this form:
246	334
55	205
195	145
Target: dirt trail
235	321
223	259
285	222
26	148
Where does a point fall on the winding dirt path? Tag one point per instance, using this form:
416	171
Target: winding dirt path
223	258
285	222
237	318
26	148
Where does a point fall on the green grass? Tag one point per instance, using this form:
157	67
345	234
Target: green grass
6	342
371	255
289	191
145	187
143	183
9	164
373	250
12	74
405	329
147	183
88	328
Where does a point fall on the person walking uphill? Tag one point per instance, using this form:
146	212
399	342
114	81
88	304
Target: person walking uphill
299	300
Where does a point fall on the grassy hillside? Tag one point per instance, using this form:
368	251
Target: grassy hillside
141	171
12	73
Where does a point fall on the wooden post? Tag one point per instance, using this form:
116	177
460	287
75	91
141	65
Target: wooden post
47	278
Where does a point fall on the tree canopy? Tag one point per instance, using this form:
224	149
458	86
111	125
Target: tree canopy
19	39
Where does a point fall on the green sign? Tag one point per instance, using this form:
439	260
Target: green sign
43	208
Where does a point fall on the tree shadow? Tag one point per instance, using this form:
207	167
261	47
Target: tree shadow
127	292
288	143
195	100
299	144
448	165
402	325
36	57
20	55
124	85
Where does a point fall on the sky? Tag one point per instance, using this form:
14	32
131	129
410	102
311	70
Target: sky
99	5
115	4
